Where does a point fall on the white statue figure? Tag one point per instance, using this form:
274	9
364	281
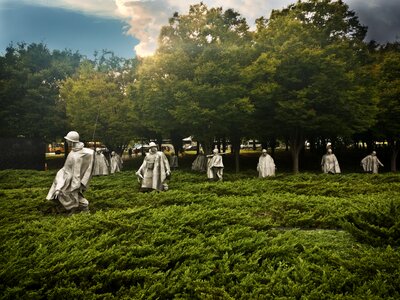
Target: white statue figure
266	165
200	163
371	163
329	163
215	166
154	171
100	163
115	163
73	179
173	161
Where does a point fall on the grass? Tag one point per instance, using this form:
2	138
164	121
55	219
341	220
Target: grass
306	236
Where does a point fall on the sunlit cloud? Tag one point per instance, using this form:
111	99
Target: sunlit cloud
144	18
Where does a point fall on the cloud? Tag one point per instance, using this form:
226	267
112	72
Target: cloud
145	18
381	16
102	8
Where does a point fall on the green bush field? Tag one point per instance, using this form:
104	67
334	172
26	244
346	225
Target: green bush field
305	236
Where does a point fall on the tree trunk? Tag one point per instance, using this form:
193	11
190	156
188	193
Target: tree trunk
142	148
312	145
176	141
393	158
207	147
236	149
66	149
273	146
296	142
159	142
264	144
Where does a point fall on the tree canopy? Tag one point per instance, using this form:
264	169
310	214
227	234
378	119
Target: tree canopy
97	105
309	78
304	73
193	83
29	90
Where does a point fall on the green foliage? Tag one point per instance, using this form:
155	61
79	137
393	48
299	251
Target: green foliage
244	238
377	225
310	77
29	90
192	84
97	105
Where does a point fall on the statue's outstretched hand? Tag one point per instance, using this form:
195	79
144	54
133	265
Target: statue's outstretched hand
139	175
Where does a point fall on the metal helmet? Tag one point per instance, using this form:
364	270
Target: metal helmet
152	144
72	136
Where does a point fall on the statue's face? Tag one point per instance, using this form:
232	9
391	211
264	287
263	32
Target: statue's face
70	144
153	149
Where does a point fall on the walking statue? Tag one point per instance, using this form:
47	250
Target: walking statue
371	163
73	179
100	163
154	171
116	163
266	165
329	163
215	166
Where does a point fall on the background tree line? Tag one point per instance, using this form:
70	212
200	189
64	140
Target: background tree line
304	73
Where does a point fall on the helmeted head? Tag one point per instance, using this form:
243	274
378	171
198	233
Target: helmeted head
112	153
98	150
153	147
215	151
328	145
264	152
152	144
373	153
72	136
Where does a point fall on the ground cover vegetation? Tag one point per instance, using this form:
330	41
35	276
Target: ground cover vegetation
305	236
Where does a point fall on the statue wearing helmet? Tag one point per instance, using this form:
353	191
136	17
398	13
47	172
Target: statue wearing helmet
371	163
215	166
73	179
154	171
266	165
329	163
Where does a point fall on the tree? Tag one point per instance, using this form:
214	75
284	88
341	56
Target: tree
152	95
388	77
310	76
97	106
194	80
29	90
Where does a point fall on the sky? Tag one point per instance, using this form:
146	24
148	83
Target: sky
131	27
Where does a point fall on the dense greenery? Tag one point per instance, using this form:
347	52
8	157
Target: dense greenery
289	237
304	74
29	90
96	104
